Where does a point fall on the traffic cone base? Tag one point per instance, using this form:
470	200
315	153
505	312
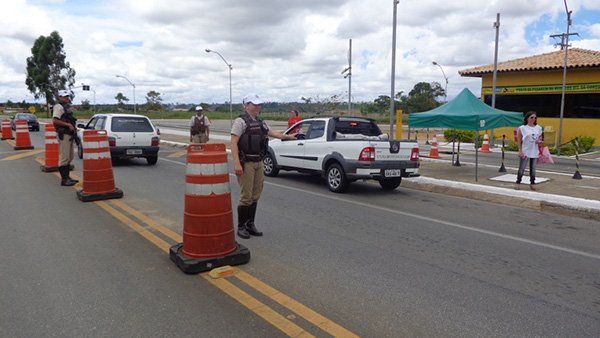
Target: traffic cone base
241	255
23	148
49	169
118	193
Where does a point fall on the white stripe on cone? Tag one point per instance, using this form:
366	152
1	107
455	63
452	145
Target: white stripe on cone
206	189
207	169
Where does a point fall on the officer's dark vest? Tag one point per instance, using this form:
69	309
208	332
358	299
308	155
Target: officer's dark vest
68	117
253	142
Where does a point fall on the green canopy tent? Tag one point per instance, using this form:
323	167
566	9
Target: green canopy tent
465	112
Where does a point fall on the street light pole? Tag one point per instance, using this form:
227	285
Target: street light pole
393	77
445	78
230	93
131	83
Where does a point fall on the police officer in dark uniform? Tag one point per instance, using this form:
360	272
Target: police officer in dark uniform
66	130
249	141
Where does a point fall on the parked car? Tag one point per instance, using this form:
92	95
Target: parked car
129	136
32	121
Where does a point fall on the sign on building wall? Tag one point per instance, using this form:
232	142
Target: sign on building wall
544	89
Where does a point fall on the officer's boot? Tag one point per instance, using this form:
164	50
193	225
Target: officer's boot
64	175
68	174
250	226
242	220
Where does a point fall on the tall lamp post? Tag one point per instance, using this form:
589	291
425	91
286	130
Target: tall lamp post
230	95
131	83
445	78
446	100
393	76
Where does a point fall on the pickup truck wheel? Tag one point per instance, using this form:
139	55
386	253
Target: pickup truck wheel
80	151
269	167
390	183
336	178
152	160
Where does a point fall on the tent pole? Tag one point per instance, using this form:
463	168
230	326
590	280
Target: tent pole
476	154
453	142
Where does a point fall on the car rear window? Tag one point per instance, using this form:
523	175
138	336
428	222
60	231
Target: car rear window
131	124
357	127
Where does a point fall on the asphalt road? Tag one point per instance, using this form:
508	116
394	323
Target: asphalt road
371	263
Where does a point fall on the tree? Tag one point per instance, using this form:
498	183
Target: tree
153	100
121	99
422	97
85	105
47	68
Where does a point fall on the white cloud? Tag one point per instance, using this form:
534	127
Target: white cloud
280	49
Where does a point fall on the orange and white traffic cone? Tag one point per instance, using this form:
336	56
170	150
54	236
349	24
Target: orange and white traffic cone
50	148
6	130
98	179
22	141
485	146
433	151
208	234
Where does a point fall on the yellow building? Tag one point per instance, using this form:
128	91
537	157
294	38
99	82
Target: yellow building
535	83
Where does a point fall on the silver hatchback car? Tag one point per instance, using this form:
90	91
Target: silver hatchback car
129	135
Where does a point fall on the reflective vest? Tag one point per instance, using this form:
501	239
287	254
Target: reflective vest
254	141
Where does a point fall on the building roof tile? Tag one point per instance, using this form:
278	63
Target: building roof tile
577	58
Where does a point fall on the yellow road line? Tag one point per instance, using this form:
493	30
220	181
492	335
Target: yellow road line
178	153
152	223
271	316
163	245
298	308
22	155
254	305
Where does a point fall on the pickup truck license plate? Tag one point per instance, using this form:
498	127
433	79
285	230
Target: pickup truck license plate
133	151
392	173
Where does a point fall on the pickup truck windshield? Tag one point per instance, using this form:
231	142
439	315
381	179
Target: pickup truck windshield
357	127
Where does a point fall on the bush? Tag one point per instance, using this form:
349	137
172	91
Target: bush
512	146
461	135
586	143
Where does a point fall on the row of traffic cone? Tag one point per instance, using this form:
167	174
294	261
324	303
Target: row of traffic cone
208	236
22	141
434	151
98	179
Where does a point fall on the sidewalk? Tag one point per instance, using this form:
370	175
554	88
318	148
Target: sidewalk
554	192
558	193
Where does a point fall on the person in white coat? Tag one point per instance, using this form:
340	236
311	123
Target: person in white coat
529	140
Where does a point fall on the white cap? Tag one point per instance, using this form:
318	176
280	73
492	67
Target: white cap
252	98
198	108
64	93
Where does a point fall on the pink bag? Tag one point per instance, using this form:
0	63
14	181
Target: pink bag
545	156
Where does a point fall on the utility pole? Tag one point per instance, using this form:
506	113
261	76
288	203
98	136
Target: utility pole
393	77
564	45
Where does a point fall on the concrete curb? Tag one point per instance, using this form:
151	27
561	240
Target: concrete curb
174	144
571	206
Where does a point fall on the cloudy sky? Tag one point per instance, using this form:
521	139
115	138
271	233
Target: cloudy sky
280	49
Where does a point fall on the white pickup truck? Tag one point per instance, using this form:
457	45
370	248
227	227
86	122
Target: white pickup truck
343	150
